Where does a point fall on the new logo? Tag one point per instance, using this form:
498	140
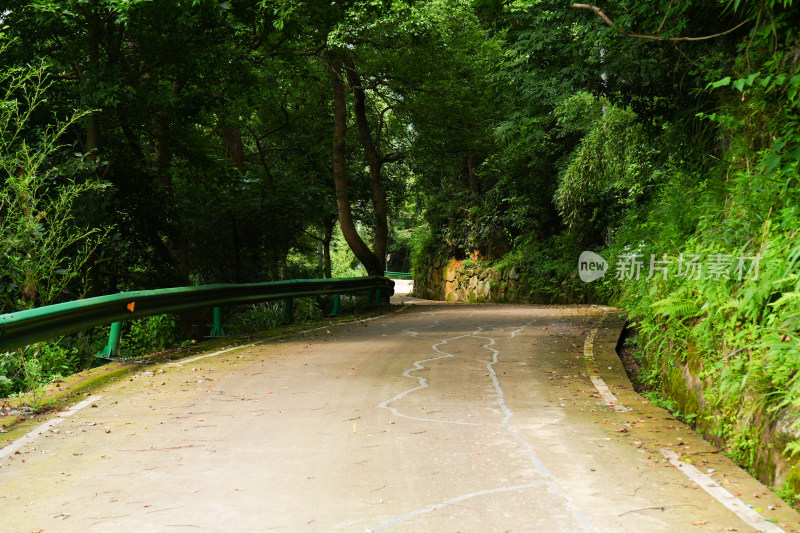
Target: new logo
591	266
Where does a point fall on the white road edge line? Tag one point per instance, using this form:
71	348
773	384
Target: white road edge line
719	493
22	441
599	384
204	356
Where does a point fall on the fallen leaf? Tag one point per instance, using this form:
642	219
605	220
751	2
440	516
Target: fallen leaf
700	523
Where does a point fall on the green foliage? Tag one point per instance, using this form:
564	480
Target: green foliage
343	262
546	266
744	328
787	493
266	315
255	317
792	448
612	165
149	334
659	401
307	310
44	246
37	365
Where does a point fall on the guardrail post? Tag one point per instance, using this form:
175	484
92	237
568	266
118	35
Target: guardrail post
216	327
288	315
112	349
336	299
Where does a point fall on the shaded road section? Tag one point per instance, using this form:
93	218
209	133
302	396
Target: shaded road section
434	419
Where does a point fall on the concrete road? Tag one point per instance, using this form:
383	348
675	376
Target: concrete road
433	419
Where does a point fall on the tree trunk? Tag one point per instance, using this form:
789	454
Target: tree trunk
93	121
234	145
179	246
163	151
93	144
372	151
93	135
473	179
163	154
282	258
237	274
343	207
327	270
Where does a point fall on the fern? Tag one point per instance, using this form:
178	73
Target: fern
677	307
792	448
733	303
787	297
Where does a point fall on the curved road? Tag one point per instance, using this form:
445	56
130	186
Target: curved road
438	418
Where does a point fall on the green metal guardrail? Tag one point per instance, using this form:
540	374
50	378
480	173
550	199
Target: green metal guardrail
399	275
34	325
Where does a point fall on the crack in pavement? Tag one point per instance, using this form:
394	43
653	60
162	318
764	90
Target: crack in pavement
435	507
479	333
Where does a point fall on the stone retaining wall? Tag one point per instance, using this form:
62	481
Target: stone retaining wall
771	431
455	280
